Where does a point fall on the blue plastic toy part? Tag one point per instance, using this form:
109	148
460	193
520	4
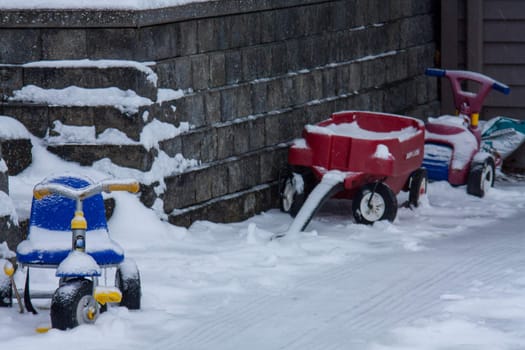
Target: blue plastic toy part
50	240
437	161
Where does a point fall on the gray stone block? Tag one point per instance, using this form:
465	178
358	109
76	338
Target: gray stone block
183	75
180	191
293	55
233	67
20	45
250	63
272	162
212	105
204	179
17	155
61	44
217	70
187	38
268	29
200	66
243	173
259	96
194	110
172	146
256	132
11	78
220	184
117	43
275	98
228	104
241	138
191	145
316	84
225	141
209	146
206	35
277	54
244	100
158	42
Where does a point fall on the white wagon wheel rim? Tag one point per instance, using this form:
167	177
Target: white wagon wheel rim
372	209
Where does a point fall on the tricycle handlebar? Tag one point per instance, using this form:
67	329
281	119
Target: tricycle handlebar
435	72
42	190
467	102
501	87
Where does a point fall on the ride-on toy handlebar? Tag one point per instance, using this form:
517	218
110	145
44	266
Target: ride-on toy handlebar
78	223
467	102
42	190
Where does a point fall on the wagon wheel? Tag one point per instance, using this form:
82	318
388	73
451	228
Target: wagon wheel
374	202
481	177
417	187
294	190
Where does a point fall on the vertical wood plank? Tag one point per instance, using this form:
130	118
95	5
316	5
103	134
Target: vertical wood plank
449	48
475	35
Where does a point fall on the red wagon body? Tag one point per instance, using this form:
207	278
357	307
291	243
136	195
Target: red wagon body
365	147
368	146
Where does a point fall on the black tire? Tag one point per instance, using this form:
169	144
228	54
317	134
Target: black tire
127	279
291	199
383	204
481	177
73	304
417	186
6	291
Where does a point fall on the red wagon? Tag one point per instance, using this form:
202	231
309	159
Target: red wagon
370	158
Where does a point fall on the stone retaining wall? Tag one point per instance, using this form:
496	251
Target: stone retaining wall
253	73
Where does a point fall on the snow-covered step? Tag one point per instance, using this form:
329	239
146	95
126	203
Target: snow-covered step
94	74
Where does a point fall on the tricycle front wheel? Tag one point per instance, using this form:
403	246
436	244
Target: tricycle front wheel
374	202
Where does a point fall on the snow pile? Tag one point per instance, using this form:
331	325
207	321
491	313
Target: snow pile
382	152
157	131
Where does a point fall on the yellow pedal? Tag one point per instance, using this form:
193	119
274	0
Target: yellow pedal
42	329
107	295
9	269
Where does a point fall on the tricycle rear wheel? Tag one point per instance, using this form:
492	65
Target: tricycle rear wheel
6	291
374	202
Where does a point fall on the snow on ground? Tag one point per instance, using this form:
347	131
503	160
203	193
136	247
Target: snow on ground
94	4
448	275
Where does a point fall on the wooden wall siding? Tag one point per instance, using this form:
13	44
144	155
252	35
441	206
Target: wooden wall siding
489	38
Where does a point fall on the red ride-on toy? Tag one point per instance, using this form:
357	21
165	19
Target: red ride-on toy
365	156
453	150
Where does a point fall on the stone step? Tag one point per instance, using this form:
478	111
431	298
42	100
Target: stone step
129	156
231	208
125	75
39	119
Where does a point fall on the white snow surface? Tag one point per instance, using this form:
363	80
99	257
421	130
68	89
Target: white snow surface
449	274
126	101
94	4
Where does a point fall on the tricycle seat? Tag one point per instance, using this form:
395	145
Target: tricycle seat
49	238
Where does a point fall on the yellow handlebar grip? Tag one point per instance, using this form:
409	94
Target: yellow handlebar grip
41	193
131	187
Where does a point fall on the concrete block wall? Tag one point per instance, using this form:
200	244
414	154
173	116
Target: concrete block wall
254	73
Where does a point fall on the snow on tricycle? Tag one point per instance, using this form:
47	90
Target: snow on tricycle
368	157
454	150
68	232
